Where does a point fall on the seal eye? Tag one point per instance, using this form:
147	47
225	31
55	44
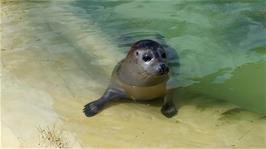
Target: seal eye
137	53
163	55
146	58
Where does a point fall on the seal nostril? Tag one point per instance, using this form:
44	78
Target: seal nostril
166	69
162	69
163	66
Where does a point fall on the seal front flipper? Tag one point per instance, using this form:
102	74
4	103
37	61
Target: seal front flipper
94	107
169	109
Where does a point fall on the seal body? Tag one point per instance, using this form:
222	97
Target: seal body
145	93
141	75
140	92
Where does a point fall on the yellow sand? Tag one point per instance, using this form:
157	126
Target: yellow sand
49	73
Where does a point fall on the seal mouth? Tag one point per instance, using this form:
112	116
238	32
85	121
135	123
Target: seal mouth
160	71
146	75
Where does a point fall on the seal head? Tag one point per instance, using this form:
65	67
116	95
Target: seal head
145	64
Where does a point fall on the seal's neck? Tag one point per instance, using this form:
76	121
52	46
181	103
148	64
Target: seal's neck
131	74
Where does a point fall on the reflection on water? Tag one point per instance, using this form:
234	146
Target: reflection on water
209	37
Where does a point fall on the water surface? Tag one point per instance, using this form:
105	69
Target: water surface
222	39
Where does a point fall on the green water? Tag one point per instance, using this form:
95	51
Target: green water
58	55
220	44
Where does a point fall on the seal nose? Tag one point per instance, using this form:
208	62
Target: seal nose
163	69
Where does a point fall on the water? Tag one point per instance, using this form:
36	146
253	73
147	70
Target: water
58	55
221	39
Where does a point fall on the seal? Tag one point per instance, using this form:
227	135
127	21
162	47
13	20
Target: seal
142	75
